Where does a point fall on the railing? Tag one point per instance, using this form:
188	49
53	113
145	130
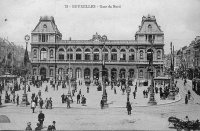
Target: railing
97	61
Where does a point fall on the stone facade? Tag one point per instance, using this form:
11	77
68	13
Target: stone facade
53	57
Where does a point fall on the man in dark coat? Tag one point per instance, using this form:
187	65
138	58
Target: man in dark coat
129	108
17	99
41	117
102	103
63	98
78	99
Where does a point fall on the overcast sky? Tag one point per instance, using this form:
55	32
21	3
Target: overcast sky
179	19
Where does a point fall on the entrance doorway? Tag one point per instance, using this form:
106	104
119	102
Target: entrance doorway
43	73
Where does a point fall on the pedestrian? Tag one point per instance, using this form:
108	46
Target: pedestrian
134	94
68	102
53	87
83	101
63	98
33	96
135	88
129	108
41	117
144	93
78	99
102	103
115	91
46	89
36	100
53	127
17	99
33	105
39	93
186	99
189	94
29	89
88	89
50	103
41	103
14	98
28	128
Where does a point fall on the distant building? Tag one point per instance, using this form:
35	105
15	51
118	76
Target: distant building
53	57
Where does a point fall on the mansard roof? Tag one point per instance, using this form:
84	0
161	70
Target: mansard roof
46	24
149	21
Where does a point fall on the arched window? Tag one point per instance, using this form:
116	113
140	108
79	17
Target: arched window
61	54
35	53
141	74
43	54
78	54
61	49
159	54
69	54
114	55
131	73
96	54
105	51
141	54
123	55
87	73
51	72
51	53
87	54
131	55
70	72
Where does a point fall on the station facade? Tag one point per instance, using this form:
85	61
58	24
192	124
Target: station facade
58	59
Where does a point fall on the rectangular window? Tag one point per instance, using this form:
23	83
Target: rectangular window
46	39
96	57
87	56
78	56
106	57
123	57
61	57
43	37
114	57
69	56
131	57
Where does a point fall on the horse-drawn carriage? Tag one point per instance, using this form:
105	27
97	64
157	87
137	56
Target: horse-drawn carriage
181	124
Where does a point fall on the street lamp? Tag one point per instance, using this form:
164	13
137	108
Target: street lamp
172	92
104	96
152	100
26	59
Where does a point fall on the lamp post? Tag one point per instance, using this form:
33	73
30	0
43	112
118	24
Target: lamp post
24	96
172	92
152	100
104	96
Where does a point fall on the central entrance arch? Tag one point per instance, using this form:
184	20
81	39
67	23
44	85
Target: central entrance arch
43	73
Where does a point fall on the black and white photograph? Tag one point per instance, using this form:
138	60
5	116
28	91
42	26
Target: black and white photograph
100	65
